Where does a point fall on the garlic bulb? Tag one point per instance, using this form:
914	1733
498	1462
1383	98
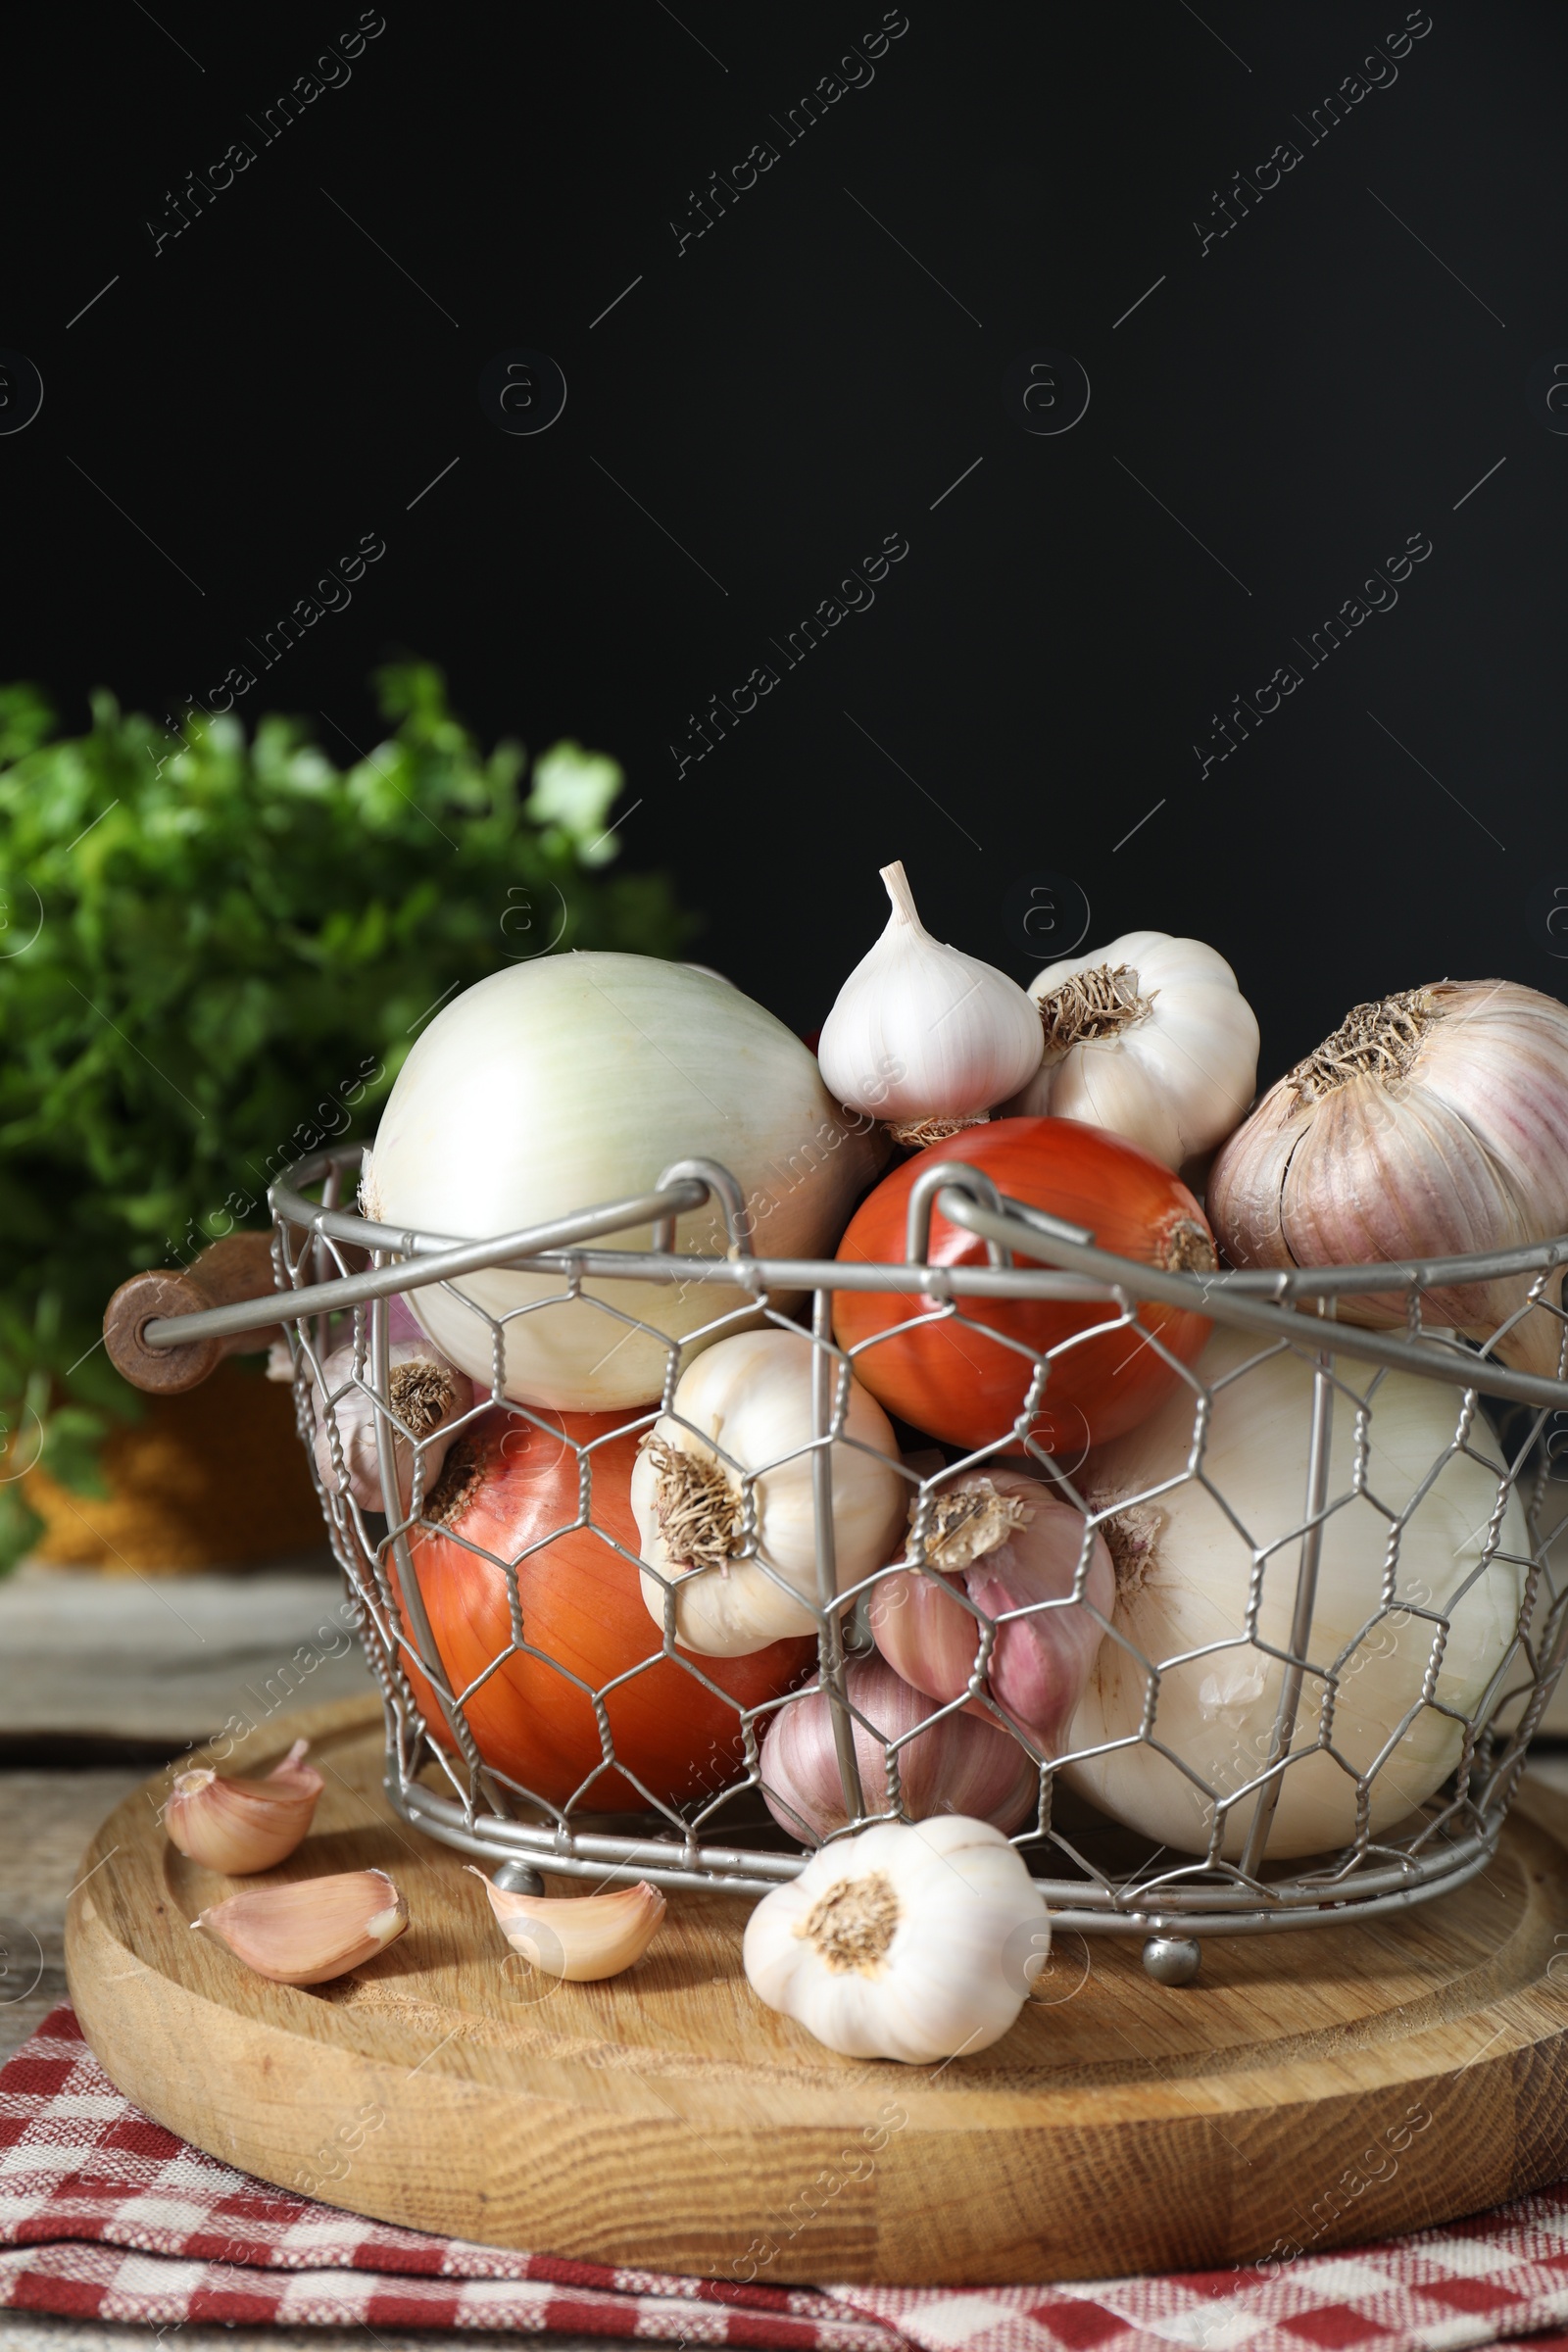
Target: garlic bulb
909	1941
959	1765
428	1395
1011	1545
238	1826
312	1929
573	1080
707	1471
922	1036
1150	1038
581	1938
1429	1124
1184	1572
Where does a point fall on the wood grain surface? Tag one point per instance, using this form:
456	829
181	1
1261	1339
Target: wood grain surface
1312	2089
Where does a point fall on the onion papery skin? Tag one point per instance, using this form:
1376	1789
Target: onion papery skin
582	1607
959	1765
968	1390
576	1079
1465	1149
1217	1712
1039	1664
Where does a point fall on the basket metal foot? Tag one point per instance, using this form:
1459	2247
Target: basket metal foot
1173	1959
516	1877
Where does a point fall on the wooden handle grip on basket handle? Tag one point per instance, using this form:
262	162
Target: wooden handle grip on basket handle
235	1268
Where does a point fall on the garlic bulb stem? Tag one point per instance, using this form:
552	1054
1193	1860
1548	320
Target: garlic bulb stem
582	1939
312	1929
909	1941
238	1826
923	1036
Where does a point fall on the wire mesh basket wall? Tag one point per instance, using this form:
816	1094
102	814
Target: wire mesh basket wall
1346	1734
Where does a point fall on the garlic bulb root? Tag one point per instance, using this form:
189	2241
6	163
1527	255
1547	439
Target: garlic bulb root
960	1763
312	1929
428	1394
1150	1038
723	1497
908	1941
1010	1545
238	1826
923	1036
581	1938
1184	1574
1430	1124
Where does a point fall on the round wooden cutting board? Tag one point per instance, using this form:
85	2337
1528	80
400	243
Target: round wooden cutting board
1310	2090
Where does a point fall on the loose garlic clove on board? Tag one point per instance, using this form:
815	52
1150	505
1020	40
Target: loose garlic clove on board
238	1826
312	1930
580	1937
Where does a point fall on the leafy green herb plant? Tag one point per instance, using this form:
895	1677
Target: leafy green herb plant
215	955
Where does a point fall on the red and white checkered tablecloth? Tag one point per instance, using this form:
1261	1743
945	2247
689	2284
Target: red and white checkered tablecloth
105	2215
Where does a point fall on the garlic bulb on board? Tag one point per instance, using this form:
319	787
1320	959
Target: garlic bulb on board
238	1826
1432	1123
744	1405
1150	1036
312	1929
1011	1543
582	1938
428	1395
577	1079
909	1941
923	1036
1183	1572
959	1765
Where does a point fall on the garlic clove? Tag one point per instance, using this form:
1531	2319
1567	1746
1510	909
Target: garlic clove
580	1937
238	1826
923	1036
314	1928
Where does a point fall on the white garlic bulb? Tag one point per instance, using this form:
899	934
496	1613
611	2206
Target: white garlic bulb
1150	1038
429	1397
743	1407
911	1941
926	1037
1432	1123
1184	1576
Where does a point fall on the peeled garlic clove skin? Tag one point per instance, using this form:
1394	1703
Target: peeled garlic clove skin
1150	1038
312	1930
745	1403
1430	1124
428	1395
579	1938
963	1763
921	1033
1014	1545
906	1940
238	1826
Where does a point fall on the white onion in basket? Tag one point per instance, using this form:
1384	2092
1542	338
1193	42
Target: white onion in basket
1183	1570
560	1084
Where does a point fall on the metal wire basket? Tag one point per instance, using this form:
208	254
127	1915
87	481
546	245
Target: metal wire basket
1096	1875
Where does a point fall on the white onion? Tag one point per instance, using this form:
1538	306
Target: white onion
577	1079
1183	1573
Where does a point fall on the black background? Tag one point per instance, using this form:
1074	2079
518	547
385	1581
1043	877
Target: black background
793	385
